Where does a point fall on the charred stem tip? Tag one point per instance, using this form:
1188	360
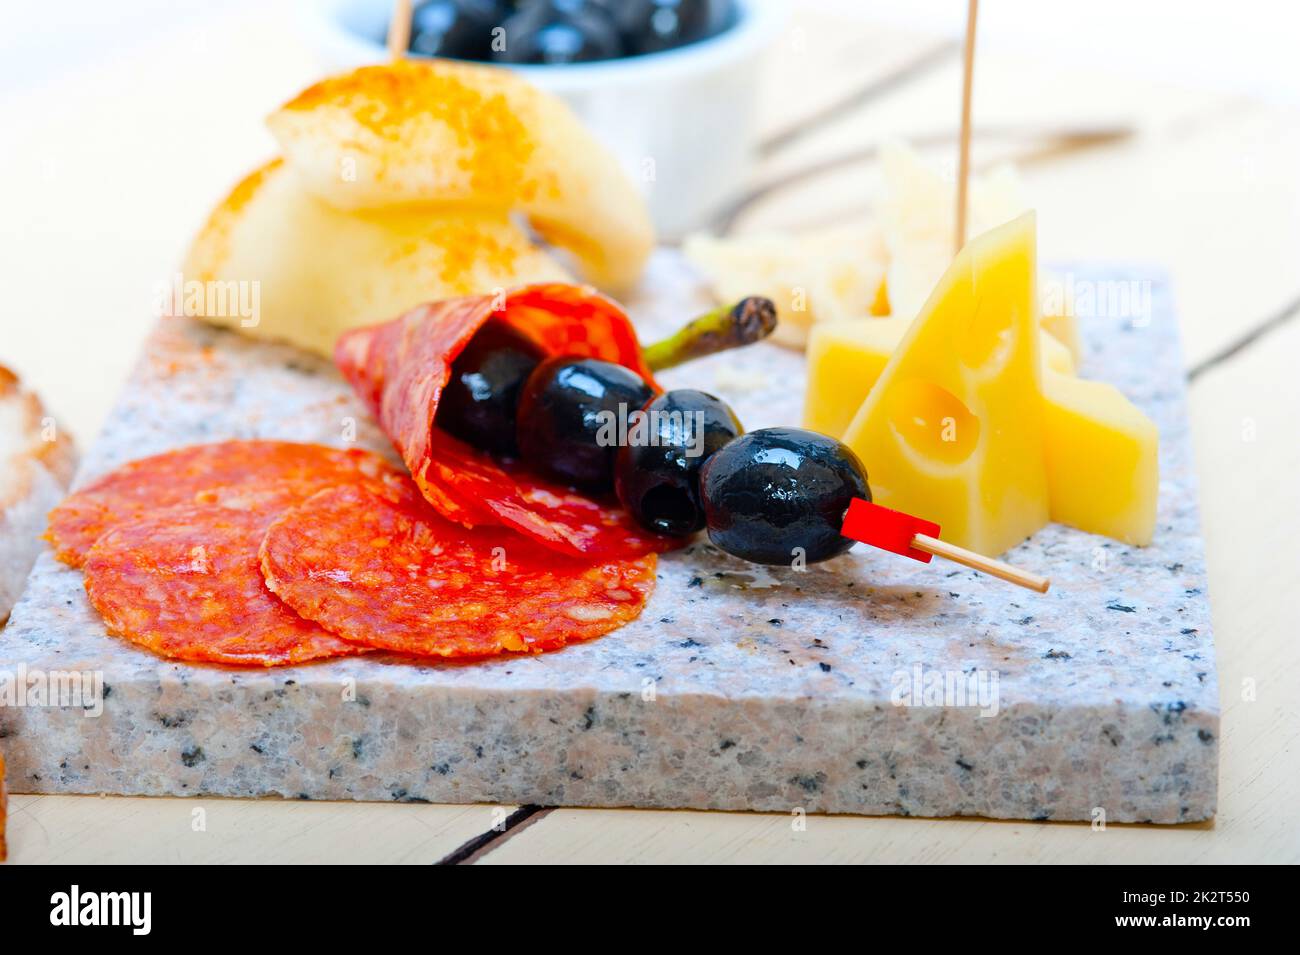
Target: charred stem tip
755	317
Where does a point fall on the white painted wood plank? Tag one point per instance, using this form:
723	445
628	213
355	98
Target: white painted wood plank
88	829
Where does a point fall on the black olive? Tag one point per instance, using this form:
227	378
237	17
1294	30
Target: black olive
559	31
572	414
778	494
649	26
455	28
481	396
657	472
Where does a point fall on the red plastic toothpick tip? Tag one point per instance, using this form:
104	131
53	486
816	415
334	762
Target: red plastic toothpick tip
887	529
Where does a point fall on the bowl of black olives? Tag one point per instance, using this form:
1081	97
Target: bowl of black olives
669	85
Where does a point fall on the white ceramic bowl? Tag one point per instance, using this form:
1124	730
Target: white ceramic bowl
681	121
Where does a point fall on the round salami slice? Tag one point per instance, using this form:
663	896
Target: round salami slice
184	582
224	472
391	573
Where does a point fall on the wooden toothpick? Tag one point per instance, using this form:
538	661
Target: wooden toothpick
963	164
399	29
985	565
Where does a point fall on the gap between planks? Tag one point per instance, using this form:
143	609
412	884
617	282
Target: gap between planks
1246	339
474	849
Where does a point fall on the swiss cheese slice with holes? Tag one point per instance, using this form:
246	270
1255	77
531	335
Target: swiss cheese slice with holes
845	358
953	430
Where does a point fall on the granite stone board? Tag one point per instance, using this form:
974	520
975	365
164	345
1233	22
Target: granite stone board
870	684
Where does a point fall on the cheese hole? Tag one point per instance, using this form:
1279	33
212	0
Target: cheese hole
932	421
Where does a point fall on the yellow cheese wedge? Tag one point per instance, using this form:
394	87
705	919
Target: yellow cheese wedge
1101	454
953	430
846	357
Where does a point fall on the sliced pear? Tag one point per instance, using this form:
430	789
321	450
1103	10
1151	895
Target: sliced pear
439	131
317	271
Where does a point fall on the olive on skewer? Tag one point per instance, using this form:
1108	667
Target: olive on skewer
657	477
565	414
567	405
779	495
479	401
687	464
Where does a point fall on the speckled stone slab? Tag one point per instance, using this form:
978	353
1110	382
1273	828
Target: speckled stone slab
836	689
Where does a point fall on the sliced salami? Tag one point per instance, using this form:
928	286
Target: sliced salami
230	471
391	573
400	368
184	582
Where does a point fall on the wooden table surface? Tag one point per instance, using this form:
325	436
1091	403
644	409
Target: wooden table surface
108	165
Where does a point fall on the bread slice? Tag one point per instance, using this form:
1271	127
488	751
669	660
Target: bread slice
36	463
